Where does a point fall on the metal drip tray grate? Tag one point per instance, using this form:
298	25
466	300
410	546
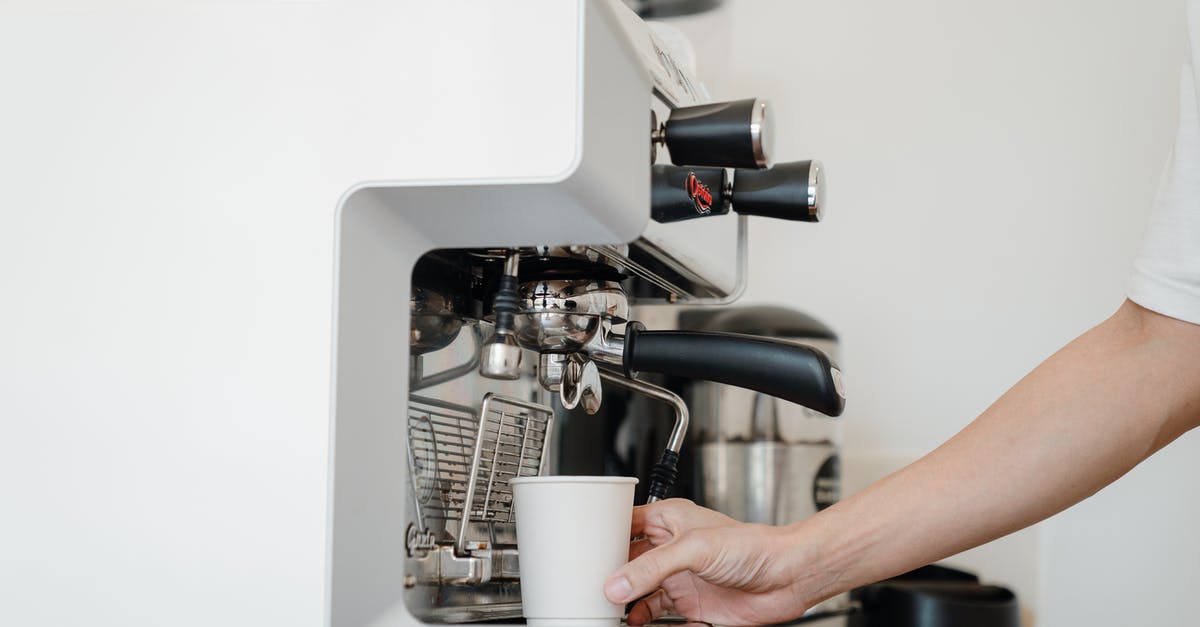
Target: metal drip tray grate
459	465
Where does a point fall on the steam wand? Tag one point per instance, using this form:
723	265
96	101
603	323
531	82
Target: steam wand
501	355
665	472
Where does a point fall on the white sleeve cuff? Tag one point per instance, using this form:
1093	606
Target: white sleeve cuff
1177	299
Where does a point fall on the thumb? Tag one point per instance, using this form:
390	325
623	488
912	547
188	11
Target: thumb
646	573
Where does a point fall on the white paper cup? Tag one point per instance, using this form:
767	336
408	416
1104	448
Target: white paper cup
572	533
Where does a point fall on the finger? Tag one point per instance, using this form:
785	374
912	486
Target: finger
646	573
652	514
638	525
638	547
639	615
650	608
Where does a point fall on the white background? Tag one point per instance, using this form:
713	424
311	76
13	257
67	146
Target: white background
991	168
164	341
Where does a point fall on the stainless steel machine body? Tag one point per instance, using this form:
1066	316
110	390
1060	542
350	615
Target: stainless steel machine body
758	458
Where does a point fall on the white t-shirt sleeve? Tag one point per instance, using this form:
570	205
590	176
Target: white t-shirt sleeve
1166	276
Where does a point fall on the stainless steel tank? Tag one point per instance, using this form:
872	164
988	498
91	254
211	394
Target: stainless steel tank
757	458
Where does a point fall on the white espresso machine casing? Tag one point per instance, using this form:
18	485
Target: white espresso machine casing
212	211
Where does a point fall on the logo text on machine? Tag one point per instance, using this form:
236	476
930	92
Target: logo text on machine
699	193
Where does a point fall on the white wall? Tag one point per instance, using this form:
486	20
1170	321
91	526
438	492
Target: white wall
991	164
991	168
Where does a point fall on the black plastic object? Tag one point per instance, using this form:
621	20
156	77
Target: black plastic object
764	320
790	191
506	303
664	474
683	193
671	8
796	373
717	134
935	596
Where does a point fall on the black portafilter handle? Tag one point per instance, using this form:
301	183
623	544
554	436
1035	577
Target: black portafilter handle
793	372
724	134
788	191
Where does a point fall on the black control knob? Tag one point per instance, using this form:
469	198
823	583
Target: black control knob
681	193
787	191
723	134
791	191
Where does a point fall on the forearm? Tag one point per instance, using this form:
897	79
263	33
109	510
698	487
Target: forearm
1079	421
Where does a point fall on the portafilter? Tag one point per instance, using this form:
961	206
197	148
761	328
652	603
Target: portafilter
563	316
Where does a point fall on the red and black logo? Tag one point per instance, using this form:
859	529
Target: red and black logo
699	193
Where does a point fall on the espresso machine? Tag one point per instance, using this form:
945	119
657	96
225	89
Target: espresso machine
477	317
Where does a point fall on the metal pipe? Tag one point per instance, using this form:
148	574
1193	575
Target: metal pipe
678	432
500	357
740	272
454	372
512	262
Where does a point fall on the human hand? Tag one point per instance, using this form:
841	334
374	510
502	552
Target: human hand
707	567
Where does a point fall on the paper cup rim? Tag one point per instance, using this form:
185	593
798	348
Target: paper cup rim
573	479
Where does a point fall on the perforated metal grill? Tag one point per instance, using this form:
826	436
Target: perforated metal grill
459	466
